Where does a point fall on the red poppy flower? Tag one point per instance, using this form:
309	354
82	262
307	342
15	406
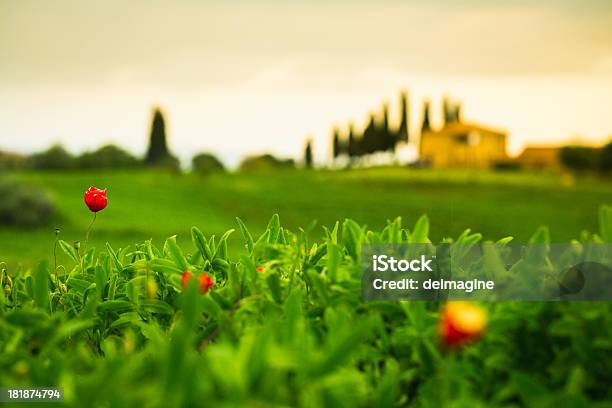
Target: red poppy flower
186	277
461	322
205	281
259	269
95	199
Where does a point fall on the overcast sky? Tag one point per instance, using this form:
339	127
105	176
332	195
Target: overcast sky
247	76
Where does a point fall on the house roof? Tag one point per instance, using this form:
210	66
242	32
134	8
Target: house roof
463	127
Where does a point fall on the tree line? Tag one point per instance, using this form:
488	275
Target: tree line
378	136
158	155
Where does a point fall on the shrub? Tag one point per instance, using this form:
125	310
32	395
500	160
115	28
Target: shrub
56	157
24	205
206	163
579	157
605	158
11	160
109	156
265	162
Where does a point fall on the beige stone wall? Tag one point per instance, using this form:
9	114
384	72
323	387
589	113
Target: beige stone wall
463	147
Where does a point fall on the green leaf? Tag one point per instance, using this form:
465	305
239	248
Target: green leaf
101	279
175	253
41	286
70	328
319	286
334	256
210	307
529	389
605	223
352	237
27	318
164	266
273	282
115	306
274	229
343	347
541	236
126	318
221	250
421	231
246	235
69	250
156	306
114	257
79	285
200	243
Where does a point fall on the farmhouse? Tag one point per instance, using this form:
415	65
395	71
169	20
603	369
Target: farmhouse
460	144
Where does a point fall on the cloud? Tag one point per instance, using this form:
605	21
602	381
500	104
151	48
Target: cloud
213	44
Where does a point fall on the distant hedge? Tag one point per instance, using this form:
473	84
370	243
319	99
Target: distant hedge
54	158
265	162
109	156
24	205
605	158
206	163
583	158
58	158
10	160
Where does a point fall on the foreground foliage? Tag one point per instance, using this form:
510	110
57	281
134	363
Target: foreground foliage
283	325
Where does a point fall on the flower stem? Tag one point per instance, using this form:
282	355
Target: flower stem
87	242
55	257
88	231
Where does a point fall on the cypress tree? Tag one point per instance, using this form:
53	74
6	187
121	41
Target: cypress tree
308	154
426	125
387	137
448	111
403	129
352	142
158	149
457	112
369	142
385	121
336	144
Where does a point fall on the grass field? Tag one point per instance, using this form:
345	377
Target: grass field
146	204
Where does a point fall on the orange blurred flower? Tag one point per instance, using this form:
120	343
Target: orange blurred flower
461	322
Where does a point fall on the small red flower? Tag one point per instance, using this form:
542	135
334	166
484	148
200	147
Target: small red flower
461	322
259	269
205	281
95	199
186	277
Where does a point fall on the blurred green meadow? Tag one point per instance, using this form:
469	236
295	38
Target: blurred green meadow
156	204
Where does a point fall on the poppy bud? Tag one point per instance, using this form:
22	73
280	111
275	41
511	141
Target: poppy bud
461	322
95	199
151	289
259	269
